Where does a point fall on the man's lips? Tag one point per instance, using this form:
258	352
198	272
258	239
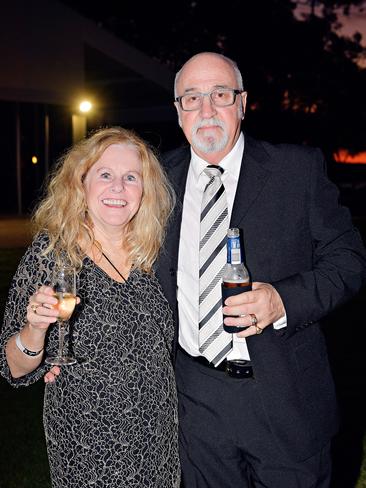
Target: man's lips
208	127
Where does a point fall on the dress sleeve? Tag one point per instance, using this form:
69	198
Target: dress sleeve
33	271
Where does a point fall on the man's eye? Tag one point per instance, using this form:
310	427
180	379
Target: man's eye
192	98
222	93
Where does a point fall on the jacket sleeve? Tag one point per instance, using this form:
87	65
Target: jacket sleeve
338	257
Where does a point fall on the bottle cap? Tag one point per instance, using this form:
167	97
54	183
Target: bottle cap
233	232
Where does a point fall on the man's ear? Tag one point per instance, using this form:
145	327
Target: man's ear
178	113
243	97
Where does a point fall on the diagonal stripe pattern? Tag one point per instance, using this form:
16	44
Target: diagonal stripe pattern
214	342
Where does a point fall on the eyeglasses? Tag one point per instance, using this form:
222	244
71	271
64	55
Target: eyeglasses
220	97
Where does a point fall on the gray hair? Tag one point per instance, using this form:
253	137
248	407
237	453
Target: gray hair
234	66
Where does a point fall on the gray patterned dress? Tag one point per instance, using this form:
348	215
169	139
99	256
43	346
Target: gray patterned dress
111	419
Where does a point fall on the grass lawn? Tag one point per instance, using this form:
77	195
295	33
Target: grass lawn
23	459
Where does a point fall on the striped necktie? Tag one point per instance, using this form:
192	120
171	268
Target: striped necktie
214	342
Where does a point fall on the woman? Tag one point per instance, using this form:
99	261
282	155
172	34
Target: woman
110	420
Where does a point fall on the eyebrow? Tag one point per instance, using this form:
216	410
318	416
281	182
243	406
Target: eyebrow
102	170
196	90
107	168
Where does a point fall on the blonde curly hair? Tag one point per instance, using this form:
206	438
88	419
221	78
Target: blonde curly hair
62	213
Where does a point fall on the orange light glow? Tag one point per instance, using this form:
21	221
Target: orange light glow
343	156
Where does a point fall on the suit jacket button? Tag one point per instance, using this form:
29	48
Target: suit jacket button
172	271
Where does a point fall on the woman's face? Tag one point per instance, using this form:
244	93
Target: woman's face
113	188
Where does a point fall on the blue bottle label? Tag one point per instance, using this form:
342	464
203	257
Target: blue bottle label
233	250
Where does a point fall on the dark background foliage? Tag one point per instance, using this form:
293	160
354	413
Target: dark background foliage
304	80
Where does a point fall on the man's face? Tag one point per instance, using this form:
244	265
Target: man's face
211	130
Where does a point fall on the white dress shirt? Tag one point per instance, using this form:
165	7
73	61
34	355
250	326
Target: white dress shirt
188	259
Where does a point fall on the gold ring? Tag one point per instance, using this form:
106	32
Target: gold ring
254	319
258	330
34	307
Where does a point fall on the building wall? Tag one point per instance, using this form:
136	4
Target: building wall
41	52
52	56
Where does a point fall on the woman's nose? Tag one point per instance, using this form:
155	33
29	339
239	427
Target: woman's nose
117	187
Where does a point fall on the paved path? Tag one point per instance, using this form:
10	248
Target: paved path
14	232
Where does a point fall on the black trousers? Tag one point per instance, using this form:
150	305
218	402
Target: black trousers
225	440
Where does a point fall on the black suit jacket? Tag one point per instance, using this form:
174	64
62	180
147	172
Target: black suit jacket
298	238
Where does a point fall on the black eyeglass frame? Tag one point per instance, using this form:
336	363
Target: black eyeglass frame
235	91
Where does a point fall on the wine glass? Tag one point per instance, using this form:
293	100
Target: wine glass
64	285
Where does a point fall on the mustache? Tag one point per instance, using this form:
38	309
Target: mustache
207	123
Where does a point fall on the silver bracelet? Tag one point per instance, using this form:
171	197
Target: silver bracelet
24	350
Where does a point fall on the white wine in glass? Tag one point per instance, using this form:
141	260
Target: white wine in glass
64	285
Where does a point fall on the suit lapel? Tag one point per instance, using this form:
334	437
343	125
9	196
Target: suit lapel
177	170
178	176
253	176
252	179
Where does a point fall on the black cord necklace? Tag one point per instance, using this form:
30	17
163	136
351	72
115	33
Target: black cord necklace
113	266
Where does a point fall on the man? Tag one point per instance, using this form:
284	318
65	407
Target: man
257	408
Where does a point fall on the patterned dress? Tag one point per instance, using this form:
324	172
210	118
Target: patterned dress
111	419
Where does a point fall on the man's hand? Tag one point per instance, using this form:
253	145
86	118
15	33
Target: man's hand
263	301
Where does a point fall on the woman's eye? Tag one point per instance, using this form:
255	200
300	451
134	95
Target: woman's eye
105	176
130	177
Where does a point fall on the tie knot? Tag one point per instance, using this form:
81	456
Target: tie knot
213	171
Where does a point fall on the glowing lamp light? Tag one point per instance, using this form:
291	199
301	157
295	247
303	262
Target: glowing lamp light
85	106
34	159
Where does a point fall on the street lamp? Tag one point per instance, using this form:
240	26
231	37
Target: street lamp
79	125
85	106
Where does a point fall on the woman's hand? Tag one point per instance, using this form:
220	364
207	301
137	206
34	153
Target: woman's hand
50	377
40	314
40	310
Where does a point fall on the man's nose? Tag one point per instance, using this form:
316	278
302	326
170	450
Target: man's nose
207	109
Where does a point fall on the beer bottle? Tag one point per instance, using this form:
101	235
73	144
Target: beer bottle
235	279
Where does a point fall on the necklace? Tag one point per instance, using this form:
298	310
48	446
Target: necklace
114	267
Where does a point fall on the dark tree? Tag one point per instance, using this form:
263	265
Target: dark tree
304	80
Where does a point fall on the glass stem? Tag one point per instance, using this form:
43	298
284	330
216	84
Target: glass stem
61	337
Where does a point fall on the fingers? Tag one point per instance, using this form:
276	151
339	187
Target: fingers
239	307
40	311
241	299
50	377
263	302
244	320
249	296
250	331
44	296
56	370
